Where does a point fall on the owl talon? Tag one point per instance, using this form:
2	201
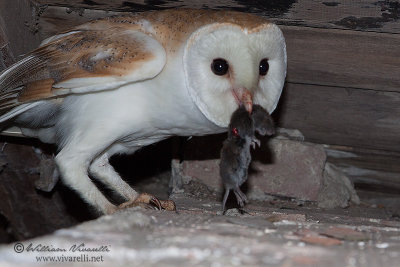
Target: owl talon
156	202
149	201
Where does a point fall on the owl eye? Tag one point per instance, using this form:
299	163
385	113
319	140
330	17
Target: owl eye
219	66
264	66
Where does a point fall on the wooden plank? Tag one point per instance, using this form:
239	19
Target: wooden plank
343	58
6	55
57	19
271	8
364	15
19	26
342	116
378	168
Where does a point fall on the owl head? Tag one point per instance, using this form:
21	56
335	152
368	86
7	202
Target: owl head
228	64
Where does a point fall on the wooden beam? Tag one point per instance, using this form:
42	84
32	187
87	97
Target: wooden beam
19	26
342	116
57	19
341	58
6	56
365	166
366	15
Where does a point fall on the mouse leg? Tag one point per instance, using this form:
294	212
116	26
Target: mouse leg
240	197
224	199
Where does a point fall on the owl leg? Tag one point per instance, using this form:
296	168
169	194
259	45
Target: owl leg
73	165
102	170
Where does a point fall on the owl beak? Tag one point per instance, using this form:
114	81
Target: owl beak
243	97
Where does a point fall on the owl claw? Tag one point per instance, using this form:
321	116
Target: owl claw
149	201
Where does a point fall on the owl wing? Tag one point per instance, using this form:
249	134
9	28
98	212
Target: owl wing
82	60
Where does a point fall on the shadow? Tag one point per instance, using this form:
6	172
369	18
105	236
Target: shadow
6	235
263	153
279	113
202	147
395	190
148	162
74	205
48	149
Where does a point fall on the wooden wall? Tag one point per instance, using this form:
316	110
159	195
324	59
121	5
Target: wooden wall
18	30
343	83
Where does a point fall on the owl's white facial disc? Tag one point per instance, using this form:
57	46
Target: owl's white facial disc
269	43
214	94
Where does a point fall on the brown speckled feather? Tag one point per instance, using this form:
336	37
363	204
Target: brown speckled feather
112	53
78	55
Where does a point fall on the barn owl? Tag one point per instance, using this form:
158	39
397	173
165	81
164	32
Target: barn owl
114	85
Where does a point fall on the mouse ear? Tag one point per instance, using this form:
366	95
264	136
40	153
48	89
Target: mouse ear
235	132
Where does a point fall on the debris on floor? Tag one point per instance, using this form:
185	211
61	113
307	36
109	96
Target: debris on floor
338	226
278	233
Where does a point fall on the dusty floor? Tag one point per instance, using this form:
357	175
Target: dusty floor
279	232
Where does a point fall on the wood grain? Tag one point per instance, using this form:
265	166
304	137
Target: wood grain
342	116
376	168
19	26
341	58
366	15
58	19
6	55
